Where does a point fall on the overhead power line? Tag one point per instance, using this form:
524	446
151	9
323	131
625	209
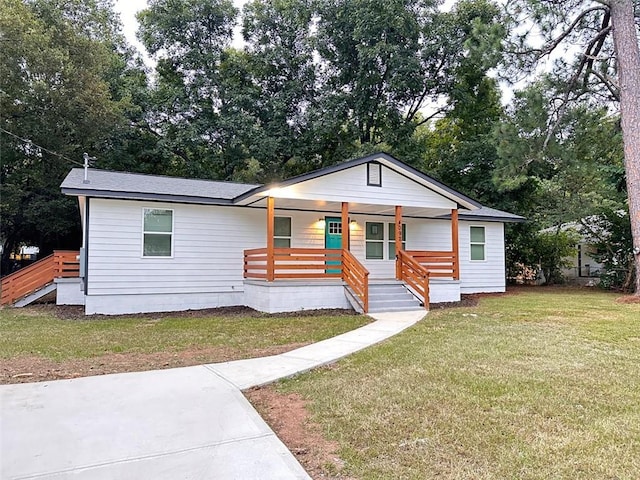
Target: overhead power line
27	141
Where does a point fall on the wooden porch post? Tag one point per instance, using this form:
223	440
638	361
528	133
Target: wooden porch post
345	225
270	246
345	235
454	244
398	240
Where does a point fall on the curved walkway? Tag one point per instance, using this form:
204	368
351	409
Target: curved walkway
181	423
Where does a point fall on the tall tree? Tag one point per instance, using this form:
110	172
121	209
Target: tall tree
625	37
279	44
606	67
189	38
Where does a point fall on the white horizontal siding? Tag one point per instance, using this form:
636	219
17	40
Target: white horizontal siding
306	229
208	245
350	185
209	242
429	235
487	275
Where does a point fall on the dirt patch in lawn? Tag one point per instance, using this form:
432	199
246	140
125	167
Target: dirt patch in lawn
628	299
27	369
289	418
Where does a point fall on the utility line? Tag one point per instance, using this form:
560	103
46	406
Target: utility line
25	140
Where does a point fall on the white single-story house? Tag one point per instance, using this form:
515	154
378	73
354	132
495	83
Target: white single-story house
372	233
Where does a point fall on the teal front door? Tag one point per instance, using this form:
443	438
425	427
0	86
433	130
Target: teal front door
333	239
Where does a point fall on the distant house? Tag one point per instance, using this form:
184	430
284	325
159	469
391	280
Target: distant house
372	233
26	253
582	267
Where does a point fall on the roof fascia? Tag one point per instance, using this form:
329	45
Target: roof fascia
479	218
157	197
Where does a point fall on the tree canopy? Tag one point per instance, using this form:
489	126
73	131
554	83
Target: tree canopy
65	73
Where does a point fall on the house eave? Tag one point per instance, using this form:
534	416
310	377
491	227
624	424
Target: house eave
486	218
471	218
155	197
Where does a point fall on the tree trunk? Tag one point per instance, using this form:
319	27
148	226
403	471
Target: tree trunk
625	38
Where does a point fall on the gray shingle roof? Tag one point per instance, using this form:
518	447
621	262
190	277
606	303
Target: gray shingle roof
136	186
103	183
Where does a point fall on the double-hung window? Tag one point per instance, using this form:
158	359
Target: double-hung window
374	238
282	232
157	232
477	243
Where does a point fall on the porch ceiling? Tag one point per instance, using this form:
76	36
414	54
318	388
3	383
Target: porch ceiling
322	206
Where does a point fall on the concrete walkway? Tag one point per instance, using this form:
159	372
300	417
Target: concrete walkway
181	423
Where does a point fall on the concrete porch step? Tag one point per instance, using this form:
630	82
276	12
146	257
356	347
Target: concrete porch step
404	300
390	296
395	309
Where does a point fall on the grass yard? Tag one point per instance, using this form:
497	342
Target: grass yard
540	384
38	343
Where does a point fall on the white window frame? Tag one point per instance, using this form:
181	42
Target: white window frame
290	237
381	241
374	169
144	209
484	244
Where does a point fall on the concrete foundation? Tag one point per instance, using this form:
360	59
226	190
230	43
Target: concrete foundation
69	291
293	296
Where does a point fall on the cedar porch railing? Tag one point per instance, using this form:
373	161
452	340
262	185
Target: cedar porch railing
415	268
60	264
357	277
438	264
293	263
415	275
308	263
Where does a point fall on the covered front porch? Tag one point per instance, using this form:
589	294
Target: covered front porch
352	253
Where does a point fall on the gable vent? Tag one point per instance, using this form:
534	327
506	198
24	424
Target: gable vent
374	174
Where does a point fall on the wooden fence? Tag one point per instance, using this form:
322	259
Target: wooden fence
60	264
438	264
415	275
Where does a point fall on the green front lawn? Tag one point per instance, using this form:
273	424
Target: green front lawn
540	384
40	332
